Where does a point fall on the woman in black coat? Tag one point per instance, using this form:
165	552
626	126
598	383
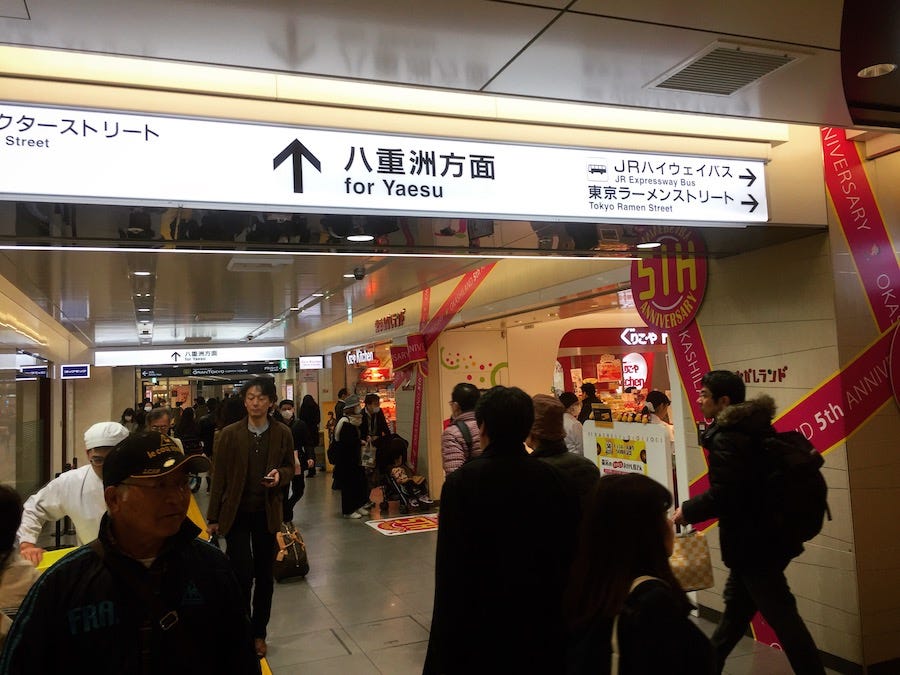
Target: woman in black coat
310	415
622	570
346	455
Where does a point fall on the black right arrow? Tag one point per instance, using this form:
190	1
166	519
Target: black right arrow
752	203
298	151
748	176
176	356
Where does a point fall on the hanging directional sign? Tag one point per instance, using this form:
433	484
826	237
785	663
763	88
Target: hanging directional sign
64	154
141	357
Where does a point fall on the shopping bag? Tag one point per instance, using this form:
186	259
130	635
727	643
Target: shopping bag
368	455
290	555
690	561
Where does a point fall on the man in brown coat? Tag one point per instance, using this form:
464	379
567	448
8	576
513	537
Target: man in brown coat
254	461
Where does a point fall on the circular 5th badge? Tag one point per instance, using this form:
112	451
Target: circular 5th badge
668	288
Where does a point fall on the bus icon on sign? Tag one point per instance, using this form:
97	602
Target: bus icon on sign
597	172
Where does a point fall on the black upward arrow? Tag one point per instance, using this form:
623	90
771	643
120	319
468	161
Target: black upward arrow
176	356
752	203
298	151
748	176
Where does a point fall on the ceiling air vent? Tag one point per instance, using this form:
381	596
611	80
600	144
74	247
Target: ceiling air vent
198	339
257	263
724	68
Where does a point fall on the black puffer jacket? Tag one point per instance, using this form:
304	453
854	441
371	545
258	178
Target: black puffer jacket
735	496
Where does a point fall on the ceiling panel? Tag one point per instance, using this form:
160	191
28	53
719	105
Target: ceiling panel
593	59
807	22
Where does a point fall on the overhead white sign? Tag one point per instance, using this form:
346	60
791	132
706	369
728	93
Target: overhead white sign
64	154
173	355
311	362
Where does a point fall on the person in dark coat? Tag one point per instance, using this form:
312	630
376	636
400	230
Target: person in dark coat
293	493
622	569
548	439
755	556
589	391
347	454
499	577
311	416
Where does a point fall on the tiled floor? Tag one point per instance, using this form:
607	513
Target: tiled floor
365	607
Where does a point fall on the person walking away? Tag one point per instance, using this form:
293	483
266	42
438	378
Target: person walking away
547	438
499	584
311	416
77	493
294	492
16	574
207	425
147	596
574	429
458	446
254	460
347	454
622	570
755	556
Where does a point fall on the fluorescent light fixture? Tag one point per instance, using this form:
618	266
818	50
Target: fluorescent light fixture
143	309
360	237
349	275
144	321
141	274
549	255
649	244
318	295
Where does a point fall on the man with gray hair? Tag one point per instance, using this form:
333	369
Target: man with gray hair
77	493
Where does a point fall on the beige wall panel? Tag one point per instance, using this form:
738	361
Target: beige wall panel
123	392
93	403
794	179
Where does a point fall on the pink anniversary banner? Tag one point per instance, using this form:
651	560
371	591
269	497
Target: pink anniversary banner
862	225
454	302
419	387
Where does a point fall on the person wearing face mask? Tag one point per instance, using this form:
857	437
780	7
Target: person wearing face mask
77	493
128	420
347	451
374	426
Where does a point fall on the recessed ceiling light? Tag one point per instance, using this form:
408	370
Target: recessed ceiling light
360	237
141	274
877	70
143	309
649	244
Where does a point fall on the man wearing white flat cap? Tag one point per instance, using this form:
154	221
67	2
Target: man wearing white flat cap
77	493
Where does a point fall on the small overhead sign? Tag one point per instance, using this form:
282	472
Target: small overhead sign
33	371
311	362
222	369
62	154
75	372
141	357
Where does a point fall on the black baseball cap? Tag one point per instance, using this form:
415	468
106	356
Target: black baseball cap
147	455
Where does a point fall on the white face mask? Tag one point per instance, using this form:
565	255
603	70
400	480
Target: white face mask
148	408
287	414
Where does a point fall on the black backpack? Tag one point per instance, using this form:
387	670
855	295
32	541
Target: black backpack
796	493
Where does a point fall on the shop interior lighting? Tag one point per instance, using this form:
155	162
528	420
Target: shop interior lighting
143	309
141	274
318	295
360	237
649	244
877	70
349	275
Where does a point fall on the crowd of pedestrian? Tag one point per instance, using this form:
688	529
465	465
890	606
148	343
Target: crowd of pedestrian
579	582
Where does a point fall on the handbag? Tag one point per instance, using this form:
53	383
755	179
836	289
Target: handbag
290	556
690	561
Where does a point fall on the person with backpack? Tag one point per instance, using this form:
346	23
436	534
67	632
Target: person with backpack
461	440
752	534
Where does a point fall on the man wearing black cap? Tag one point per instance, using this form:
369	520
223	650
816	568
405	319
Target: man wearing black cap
147	596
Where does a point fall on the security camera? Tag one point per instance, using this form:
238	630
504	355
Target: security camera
359	273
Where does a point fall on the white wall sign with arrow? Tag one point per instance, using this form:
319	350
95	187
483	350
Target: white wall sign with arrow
71	155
